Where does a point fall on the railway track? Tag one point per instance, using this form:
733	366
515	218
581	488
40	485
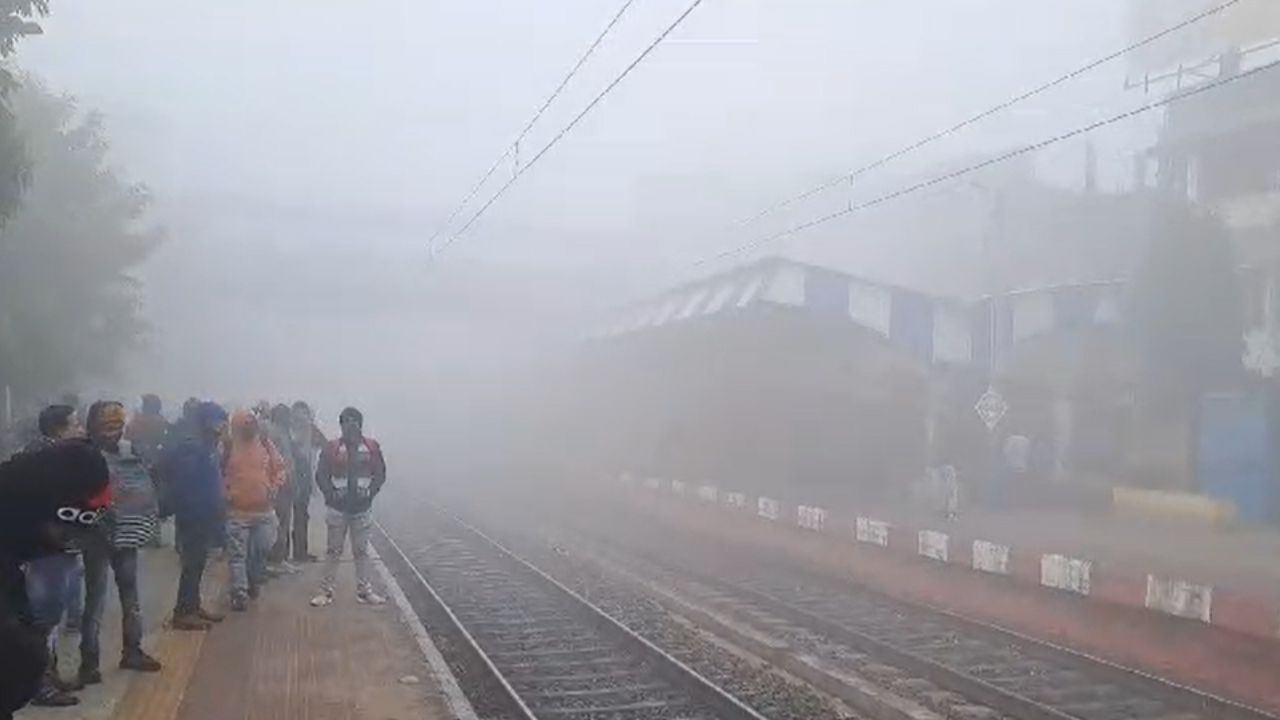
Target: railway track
525	646
914	651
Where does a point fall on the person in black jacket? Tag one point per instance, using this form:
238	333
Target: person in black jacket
47	498
49	578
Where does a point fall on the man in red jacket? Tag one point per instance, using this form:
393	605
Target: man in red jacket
350	475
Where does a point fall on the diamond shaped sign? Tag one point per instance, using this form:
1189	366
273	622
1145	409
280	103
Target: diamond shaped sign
991	407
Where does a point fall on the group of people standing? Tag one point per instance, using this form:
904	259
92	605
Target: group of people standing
243	483
237	484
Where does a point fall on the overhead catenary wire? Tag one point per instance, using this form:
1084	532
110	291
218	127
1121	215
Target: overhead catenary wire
995	109
573	123
513	148
1033	147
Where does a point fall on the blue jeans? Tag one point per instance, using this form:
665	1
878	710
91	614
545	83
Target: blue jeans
47	580
249	540
75	593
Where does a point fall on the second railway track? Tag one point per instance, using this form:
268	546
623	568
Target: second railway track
525	646
1016	676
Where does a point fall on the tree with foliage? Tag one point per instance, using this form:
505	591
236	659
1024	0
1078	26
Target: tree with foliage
69	298
16	22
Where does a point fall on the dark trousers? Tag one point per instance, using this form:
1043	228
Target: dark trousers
195	538
284	514
301	523
98	556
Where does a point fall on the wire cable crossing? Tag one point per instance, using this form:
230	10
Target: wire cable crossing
930	139
513	149
573	123
1040	145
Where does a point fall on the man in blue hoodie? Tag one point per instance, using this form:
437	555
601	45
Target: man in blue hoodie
191	468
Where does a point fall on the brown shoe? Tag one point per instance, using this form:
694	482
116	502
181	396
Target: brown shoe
137	659
209	615
190	621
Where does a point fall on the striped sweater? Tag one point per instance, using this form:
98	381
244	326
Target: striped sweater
131	520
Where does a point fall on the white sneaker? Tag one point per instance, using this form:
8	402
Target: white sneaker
324	599
289	568
369	597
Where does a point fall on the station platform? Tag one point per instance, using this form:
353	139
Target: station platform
1182	603
281	659
1225	576
1239	558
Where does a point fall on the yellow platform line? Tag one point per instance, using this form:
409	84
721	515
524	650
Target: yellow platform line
158	696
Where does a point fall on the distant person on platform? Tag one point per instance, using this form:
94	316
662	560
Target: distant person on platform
147	431
189	407
49	577
148	428
279	432
191	466
47	498
308	441
949	480
129	524
351	473
1016	456
254	472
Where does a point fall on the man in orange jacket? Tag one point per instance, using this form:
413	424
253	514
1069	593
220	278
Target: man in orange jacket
254	472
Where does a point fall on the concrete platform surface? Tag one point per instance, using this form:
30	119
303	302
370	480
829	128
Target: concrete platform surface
1225	577
1239	557
282	659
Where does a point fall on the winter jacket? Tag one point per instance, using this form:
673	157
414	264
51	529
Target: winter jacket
252	469
40	443
192	469
36	488
351	475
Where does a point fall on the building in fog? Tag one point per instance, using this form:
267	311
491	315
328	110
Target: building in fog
1221	148
781	376
846	371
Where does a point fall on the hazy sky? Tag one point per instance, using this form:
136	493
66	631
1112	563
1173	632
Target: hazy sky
302	152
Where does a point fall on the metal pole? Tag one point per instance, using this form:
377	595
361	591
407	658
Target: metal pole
993	327
992	280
